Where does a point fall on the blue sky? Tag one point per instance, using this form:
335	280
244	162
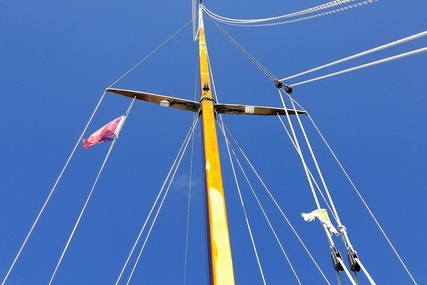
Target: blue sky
56	59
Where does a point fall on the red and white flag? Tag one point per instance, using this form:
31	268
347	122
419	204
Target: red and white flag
106	133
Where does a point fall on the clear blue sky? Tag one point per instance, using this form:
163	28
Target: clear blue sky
57	58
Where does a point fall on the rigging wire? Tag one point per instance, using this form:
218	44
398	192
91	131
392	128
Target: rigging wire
337	73
272	77
222	127
276	204
245	52
315	162
362	200
394	43
53	188
81	212
422	50
324	199
305	11
341	227
191	134
242	203
248	225
237	182
150	54
169	177
299	151
311	174
190	186
402	55
237	22
230	150
298	148
357	5
88	199
391	58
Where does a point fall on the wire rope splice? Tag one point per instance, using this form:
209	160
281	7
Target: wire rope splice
279	84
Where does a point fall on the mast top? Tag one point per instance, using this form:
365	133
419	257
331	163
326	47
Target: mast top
196	29
201	25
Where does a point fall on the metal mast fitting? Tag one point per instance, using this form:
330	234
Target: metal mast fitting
279	84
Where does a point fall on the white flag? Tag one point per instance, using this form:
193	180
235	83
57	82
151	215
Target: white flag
323	217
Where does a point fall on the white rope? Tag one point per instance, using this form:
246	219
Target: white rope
163	199
262	208
87	200
365	271
173	167
190	186
394	43
195	92
306	11
189	194
299	151
277	206
328	234
221	125
151	53
53	189
346	271
81	212
309	171
325	187
246	53
248	225
349	7
363	66
253	24
152	225
364	203
156	200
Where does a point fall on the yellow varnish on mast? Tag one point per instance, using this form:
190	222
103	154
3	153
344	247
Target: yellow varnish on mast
222	272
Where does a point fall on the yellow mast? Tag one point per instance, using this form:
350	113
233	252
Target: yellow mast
221	262
220	259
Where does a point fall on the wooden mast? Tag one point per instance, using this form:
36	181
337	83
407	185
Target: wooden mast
221	271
